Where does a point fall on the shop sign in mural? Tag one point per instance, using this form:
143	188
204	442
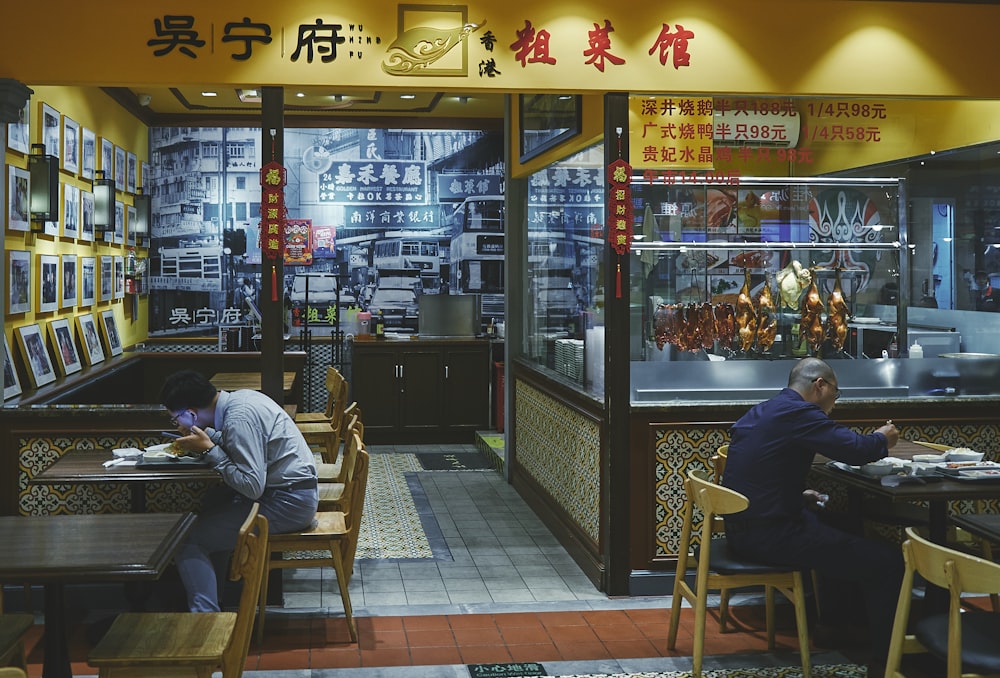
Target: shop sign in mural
375	182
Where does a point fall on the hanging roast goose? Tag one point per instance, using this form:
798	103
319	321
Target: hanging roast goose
811	323
767	317
665	322
836	316
725	325
746	315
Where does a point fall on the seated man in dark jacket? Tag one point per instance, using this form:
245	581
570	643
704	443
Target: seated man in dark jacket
772	449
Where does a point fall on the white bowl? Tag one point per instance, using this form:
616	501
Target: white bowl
963	454
876	470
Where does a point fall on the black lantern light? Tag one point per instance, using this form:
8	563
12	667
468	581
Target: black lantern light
143	216
44	196
104	203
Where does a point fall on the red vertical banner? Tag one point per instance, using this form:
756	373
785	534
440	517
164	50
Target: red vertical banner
272	210
620	213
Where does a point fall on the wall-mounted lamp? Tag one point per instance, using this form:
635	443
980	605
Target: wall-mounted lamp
104	203
44	198
143	216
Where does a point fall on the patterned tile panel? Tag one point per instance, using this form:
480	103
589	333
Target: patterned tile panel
680	448
561	450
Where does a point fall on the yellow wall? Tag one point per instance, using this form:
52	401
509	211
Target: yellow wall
93	109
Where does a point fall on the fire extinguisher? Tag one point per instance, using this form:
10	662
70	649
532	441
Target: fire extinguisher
131	278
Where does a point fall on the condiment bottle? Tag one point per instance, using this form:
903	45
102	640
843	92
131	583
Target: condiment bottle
916	350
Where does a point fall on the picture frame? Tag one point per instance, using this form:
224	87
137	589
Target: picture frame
71	211
18	201
48	282
71	145
67	358
119	234
107	277
131	172
68	288
88	153
88	280
11	382
130	215
107	158
18	133
31	342
145	175
112	339
51	130
547	120
19	282
87	216
119	262
90	341
119	168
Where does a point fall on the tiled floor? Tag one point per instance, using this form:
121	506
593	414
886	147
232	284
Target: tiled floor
500	588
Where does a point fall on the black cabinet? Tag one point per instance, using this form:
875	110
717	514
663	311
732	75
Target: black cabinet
421	391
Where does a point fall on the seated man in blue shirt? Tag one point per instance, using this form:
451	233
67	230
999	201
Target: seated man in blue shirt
262	457
771	451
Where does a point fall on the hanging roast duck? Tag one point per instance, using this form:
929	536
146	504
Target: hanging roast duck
746	315
836	316
767	317
811	323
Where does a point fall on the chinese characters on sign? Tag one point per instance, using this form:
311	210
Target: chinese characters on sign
374	181
298	248
272	210
671	132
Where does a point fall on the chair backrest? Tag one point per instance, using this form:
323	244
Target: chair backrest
249	559
12	672
336	396
719	463
356	507
351	446
350	419
954	570
712	499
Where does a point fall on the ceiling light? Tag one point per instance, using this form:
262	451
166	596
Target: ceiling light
407	96
463	99
209	94
300	94
248	96
251	92
338	97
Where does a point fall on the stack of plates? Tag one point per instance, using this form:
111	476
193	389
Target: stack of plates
569	358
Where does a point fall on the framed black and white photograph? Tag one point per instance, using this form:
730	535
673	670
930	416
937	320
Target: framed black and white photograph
119	277
19	282
107	158
48	282
119	168
11	382
146	175
111	338
86	215
67	359
88	153
18	205
18	132
71	145
119	234
93	352
547	120
131	172
32	344
67	297
107	277
88	280
71	211
129	223
51	130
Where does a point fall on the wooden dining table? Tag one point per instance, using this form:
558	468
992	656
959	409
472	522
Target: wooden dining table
57	550
82	467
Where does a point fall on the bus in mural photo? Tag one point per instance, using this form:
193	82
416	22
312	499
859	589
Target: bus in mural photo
477	252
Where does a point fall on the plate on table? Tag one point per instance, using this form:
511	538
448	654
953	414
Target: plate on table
977	475
171	461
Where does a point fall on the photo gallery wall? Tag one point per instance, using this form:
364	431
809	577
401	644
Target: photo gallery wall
56	282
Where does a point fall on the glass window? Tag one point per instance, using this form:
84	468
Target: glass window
565	293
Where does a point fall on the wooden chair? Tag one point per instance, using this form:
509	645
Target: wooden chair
966	641
335	495
13	672
333	531
143	644
331	473
324	428
12	630
718	569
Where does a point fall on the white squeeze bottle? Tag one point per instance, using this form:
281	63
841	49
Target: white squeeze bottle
916	351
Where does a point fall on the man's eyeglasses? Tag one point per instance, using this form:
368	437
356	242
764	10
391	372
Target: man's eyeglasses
175	419
835	388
